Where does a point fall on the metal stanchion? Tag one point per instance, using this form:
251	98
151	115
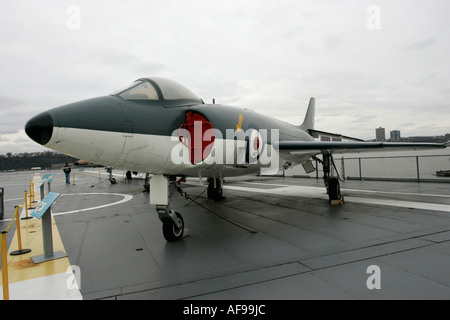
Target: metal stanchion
25	204
4	265
19	236
32	190
30	197
2	207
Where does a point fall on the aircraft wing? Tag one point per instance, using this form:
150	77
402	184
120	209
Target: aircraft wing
316	133
315	147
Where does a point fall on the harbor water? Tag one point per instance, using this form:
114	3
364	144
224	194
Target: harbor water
408	165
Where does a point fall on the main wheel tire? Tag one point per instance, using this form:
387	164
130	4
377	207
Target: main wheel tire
170	230
334	189
214	193
210	192
219	193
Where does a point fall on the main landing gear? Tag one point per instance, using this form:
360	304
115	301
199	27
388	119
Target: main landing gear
214	189
331	183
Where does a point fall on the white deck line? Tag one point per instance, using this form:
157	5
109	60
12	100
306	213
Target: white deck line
319	193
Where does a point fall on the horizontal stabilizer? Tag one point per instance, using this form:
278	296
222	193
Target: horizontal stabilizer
315	147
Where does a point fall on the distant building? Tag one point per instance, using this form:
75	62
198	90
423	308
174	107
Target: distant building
326	138
380	134
395	135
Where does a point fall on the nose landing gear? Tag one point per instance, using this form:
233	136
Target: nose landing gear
161	191
173	231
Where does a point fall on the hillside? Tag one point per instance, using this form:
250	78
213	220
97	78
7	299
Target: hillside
26	161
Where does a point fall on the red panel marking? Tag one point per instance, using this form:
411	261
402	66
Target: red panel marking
199	144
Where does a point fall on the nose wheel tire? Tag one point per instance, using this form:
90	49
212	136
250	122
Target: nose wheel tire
171	231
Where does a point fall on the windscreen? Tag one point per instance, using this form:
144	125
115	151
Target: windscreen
172	90
138	90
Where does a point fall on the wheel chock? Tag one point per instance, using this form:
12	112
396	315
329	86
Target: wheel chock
337	202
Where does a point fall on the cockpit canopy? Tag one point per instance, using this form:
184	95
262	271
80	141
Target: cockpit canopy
158	89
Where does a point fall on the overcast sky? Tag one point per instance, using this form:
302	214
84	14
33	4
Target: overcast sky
367	63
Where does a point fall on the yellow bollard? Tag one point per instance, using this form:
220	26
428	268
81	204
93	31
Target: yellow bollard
29	197
32	190
19	236
4	266
73	179
25	203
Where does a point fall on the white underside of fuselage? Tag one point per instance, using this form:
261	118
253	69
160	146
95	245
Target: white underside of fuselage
157	154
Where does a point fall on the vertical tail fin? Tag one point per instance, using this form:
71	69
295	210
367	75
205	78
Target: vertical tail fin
308	123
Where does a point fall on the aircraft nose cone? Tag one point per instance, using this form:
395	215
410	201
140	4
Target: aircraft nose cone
40	128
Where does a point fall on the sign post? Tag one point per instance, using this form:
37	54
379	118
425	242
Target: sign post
43	212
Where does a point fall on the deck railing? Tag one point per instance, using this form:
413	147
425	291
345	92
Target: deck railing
422	168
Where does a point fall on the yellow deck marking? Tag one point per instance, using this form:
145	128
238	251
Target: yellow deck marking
21	267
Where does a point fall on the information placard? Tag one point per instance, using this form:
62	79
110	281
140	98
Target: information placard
43	206
49	177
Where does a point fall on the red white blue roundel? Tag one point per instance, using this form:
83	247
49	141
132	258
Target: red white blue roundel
255	146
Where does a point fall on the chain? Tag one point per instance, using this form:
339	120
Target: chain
179	190
185	195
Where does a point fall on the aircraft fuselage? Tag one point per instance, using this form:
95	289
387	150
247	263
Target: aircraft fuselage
148	136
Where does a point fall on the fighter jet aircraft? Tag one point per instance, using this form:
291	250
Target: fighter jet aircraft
157	126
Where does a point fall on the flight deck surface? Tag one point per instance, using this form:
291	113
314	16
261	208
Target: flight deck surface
270	238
